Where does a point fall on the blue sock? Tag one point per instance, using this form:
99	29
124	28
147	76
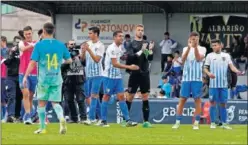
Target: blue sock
212	112
93	104
124	110
232	93
3	112
223	114
98	109
197	118
179	117
104	110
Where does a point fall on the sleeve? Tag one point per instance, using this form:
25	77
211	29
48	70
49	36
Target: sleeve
130	54
184	50
111	52
21	44
100	51
161	43
207	61
66	54
35	54
174	44
173	41
203	51
229	60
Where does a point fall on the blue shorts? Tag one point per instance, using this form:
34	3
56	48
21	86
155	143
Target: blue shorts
219	95
31	82
113	86
191	88
92	86
3	91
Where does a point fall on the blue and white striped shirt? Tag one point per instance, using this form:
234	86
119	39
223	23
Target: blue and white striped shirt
94	69
218	64
113	51
192	69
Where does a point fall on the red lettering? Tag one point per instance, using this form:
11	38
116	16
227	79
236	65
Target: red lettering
119	27
131	27
108	25
113	28
103	28
125	28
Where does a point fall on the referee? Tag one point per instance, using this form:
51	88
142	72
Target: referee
138	54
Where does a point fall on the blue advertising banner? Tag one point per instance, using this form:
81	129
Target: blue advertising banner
164	112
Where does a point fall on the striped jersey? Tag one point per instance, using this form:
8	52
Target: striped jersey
113	51
94	69
192	69
218	64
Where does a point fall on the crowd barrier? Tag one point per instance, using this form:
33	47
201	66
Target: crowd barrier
164	112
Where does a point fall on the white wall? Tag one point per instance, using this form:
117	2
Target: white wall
13	22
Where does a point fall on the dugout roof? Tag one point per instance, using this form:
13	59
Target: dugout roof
51	8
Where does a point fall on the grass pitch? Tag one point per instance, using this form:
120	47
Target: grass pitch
115	134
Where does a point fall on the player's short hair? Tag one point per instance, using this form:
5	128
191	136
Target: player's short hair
177	52
21	34
3	38
17	37
194	34
27	28
116	33
40	32
216	41
49	28
167	33
165	77
95	30
140	25
127	36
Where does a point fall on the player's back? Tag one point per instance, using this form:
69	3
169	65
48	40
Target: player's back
51	54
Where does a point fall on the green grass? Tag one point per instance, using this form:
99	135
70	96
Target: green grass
115	134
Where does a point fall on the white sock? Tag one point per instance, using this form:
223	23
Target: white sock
177	121
196	122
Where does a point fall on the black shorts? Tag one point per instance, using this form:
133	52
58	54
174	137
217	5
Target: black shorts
139	80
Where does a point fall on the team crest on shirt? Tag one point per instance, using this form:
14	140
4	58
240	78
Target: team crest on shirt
224	58
113	52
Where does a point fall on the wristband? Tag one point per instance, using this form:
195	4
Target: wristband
139	52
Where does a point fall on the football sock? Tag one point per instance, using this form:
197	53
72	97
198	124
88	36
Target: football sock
212	113
146	110
42	117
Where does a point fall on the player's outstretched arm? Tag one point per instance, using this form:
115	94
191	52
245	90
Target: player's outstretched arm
24	48
123	66
234	69
68	61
